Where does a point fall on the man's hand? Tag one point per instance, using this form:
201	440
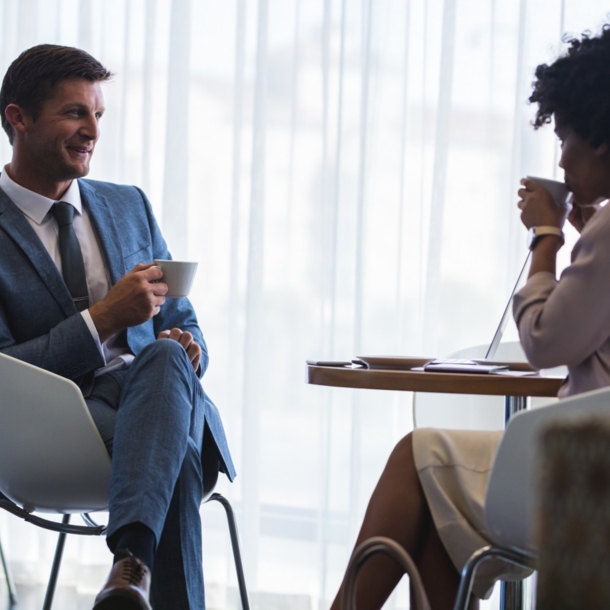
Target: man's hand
133	300
193	350
579	216
538	208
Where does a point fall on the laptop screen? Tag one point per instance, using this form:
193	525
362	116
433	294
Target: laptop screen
491	352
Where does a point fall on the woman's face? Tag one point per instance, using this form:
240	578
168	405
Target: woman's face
587	169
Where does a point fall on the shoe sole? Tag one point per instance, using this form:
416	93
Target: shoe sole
121	602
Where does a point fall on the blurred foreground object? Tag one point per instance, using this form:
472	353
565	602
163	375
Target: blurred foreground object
574	527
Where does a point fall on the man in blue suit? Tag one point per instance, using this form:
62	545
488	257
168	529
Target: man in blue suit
81	297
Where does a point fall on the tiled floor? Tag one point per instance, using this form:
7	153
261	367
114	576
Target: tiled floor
32	598
66	598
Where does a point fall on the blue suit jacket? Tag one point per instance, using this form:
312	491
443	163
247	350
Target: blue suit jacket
39	322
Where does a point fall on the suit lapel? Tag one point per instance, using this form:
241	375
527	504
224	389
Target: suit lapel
105	228
18	228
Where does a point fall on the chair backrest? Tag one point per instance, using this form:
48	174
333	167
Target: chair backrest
511	501
52	458
465	411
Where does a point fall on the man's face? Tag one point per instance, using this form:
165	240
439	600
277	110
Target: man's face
62	139
587	169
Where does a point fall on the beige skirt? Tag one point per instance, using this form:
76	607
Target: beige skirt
454	468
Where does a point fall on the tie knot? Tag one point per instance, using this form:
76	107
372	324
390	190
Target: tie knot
63	212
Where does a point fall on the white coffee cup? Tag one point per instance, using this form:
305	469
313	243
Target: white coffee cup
178	275
558	190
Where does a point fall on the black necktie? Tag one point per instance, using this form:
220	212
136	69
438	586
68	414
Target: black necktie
72	264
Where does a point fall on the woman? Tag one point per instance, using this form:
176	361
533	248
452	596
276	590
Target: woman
430	495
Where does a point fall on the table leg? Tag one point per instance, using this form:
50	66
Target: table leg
512	593
512	405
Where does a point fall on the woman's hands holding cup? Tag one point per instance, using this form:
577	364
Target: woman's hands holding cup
538	208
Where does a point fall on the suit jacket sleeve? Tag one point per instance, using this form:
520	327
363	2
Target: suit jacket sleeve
68	349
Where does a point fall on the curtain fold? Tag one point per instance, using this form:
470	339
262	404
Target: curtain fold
345	172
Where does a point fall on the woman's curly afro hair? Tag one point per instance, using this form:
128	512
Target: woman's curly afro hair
576	88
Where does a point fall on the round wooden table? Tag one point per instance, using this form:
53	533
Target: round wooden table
515	389
420	381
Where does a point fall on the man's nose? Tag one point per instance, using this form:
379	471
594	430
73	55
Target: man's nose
91	128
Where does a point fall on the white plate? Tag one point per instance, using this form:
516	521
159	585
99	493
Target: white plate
399	363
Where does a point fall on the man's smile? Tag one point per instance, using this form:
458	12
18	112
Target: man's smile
80	150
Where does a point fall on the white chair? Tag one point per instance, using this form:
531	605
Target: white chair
510	504
52	460
465	411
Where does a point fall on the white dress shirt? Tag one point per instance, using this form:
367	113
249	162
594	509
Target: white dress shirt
36	209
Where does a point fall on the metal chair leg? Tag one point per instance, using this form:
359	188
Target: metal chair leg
374	546
478	557
59	551
12	592
243	592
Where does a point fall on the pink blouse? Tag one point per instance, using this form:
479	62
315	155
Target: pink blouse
568	321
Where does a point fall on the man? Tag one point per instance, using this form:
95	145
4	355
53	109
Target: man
81	297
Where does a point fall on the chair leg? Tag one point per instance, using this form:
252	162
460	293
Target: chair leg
478	557
12	592
243	592
59	551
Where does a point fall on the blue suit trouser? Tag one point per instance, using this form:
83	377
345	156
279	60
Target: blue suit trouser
151	418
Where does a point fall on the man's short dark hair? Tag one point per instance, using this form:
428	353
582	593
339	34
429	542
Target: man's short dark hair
576	88
30	79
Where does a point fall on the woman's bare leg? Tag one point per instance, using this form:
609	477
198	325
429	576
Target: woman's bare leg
438	574
398	509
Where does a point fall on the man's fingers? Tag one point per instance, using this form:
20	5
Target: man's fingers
186	339
194	354
193	350
159	289
151	273
175	334
142	267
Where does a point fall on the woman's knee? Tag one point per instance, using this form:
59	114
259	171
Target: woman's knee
403	450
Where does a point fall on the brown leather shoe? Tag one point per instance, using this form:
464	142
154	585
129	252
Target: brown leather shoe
127	587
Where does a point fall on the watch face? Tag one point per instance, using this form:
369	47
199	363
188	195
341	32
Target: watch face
531	237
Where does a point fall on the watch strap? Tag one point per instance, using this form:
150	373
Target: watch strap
536	232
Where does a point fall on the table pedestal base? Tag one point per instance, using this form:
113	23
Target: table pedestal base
512	593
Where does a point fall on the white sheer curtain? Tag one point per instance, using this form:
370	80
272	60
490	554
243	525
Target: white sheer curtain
345	172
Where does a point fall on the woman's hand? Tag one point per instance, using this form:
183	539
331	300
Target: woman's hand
579	216
538	208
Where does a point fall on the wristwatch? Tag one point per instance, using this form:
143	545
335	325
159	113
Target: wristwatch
535	233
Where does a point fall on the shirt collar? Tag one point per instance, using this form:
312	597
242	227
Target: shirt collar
33	205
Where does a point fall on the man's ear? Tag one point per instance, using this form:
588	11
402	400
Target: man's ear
16	116
602	150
